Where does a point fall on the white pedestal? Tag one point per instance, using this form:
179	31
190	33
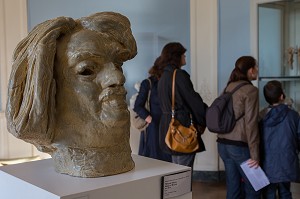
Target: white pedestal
38	180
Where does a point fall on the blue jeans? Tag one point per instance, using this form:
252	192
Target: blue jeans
237	183
283	190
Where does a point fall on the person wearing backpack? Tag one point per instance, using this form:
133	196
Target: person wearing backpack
242	143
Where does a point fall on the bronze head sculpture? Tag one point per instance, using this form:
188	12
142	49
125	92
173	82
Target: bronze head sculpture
66	93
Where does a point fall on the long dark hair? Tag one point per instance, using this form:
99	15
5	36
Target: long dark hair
242	65
155	70
171	55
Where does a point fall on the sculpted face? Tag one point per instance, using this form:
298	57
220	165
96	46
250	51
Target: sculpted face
90	92
66	93
92	119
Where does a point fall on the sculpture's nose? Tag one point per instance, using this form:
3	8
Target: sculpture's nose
110	76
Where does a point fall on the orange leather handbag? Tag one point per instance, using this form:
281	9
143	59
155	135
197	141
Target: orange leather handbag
180	138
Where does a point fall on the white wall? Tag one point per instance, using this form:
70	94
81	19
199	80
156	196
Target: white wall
204	62
13	27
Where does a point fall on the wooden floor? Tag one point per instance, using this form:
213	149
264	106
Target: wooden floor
209	190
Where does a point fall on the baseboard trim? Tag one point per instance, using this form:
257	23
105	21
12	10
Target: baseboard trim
209	176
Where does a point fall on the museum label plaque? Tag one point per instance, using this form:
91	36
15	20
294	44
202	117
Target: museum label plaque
177	184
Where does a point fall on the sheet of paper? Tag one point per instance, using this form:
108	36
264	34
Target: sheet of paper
257	177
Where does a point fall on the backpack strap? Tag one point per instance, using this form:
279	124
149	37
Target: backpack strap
233	91
150	84
147	105
238	87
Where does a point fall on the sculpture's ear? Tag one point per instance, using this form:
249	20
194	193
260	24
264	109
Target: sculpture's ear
31	89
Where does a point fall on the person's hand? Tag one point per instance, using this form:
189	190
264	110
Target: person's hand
252	163
148	119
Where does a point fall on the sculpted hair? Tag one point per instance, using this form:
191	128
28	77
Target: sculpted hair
116	28
32	87
242	65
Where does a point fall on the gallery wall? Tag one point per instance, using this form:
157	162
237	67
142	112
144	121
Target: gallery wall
234	36
154	23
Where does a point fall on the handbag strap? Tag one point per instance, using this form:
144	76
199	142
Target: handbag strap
173	97
150	87
149	93
173	93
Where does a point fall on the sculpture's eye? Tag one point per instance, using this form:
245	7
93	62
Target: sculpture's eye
119	66
86	72
85	69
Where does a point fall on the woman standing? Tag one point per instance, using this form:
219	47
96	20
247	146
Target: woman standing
149	139
187	100
242	143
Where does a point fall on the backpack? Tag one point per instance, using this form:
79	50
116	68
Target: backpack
220	117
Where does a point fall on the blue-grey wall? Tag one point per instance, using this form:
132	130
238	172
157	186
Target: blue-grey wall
154	23
234	36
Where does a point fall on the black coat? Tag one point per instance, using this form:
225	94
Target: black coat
187	101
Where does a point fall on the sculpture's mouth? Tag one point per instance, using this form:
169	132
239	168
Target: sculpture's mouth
114	97
114	108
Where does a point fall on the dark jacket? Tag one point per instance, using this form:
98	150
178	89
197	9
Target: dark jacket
246	131
280	140
187	101
141	98
149	139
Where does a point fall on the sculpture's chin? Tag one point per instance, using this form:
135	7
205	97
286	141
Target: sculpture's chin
112	117
93	162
